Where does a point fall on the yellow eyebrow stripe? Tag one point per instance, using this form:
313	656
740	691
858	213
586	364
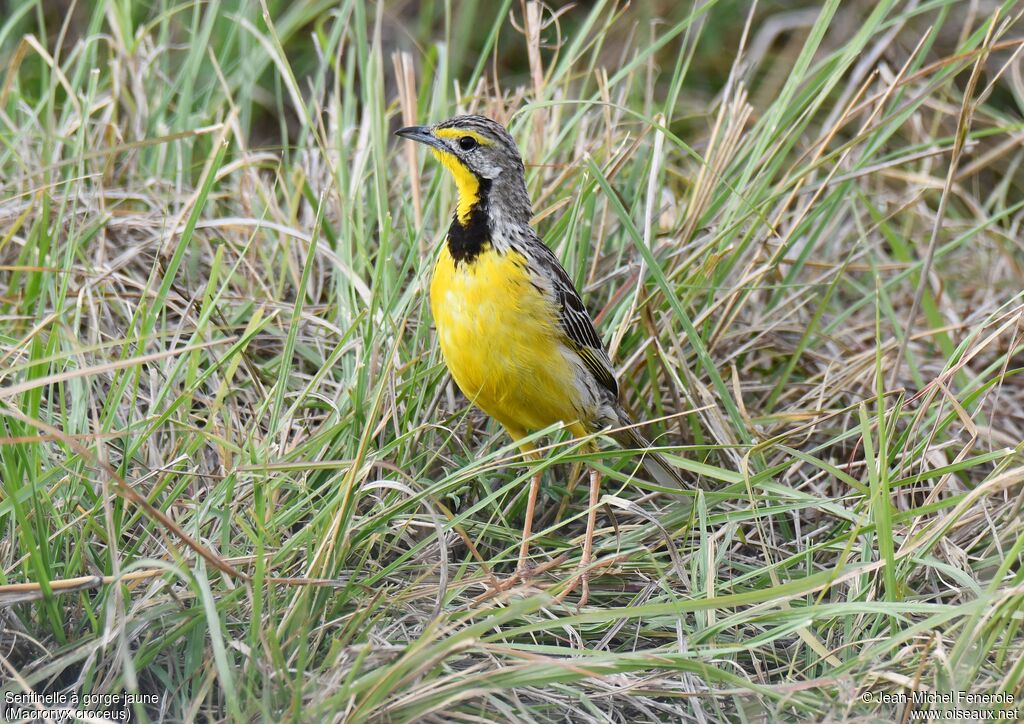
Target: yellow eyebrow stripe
459	133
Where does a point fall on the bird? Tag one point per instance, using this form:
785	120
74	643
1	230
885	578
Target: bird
513	330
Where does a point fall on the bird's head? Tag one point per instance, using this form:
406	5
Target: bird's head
481	156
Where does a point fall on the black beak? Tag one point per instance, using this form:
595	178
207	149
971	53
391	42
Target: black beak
421	134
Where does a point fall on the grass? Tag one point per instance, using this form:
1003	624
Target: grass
236	477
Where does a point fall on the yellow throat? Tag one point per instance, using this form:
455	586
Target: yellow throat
466	183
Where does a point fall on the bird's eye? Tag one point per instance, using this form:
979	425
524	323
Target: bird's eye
468	143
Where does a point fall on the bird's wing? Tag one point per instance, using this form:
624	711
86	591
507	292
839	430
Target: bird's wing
575	322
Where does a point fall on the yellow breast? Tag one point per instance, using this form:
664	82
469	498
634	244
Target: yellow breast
502	342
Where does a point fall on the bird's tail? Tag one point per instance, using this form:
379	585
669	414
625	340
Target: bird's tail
655	464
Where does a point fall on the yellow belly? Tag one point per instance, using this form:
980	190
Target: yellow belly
501	340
